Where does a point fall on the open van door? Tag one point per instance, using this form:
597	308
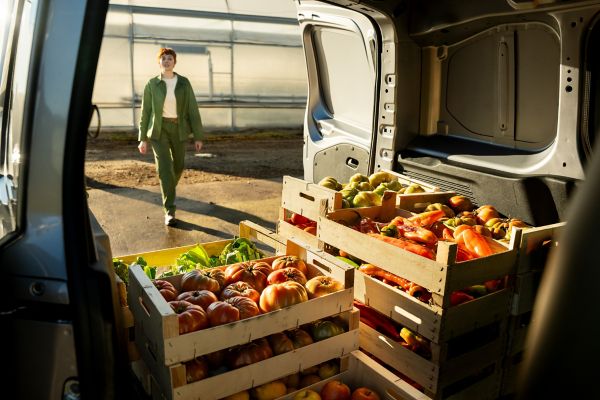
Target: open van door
342	56
58	305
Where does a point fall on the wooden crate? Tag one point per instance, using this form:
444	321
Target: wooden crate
290	231
157	325
168	382
445	368
532	255
525	288
441	276
358	369
429	320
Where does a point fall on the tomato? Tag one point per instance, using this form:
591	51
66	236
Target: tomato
251	272
335	390
281	295
166	289
240	289
484	213
322	285
198	279
286	274
289	261
460	203
190	316
202	298
216	359
299	338
311	229
247	307
220	313
322	330
280	343
250	353
298	219
196	369
364	393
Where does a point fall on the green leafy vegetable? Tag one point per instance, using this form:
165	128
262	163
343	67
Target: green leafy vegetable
122	270
194	258
239	250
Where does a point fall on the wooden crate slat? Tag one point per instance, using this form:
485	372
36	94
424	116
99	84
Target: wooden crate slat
167	257
289	231
417	202
308	199
532	238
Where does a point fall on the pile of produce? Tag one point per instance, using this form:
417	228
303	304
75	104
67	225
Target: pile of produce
217	296
474	230
367	191
301	222
238	250
261	349
332	390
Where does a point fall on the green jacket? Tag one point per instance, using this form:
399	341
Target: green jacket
152	109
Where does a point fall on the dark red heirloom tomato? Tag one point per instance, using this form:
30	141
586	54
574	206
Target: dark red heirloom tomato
191	317
286	274
281	295
198	279
166	289
240	289
196	369
289	262
254	273
247	307
202	298
280	343
220	313
250	353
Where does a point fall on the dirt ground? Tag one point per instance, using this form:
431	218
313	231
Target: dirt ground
112	159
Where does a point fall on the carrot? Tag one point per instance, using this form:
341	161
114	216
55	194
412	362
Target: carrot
406	245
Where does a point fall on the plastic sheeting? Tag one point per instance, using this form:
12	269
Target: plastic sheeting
244	59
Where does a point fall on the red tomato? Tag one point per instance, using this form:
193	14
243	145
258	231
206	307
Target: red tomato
250	353
322	285
289	262
335	390
280	343
220	313
190	316
247	307
299	338
202	298
240	289
166	289
196	369
286	274
198	279
281	295
252	272
364	393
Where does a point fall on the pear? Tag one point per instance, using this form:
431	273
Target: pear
364	187
359	178
329	182
349	193
366	199
380	177
414	188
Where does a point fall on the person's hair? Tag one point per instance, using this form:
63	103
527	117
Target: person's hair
166	50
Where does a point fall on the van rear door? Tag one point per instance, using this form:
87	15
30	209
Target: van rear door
341	50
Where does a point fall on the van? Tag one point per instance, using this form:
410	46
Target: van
496	100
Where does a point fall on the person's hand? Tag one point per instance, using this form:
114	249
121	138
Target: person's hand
198	145
143	147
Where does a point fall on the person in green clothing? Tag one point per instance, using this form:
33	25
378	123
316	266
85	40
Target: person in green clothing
169	114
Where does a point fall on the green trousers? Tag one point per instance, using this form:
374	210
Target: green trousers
169	156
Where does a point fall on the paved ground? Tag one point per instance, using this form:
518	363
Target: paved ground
125	198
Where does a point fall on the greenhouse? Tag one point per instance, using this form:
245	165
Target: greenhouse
243	57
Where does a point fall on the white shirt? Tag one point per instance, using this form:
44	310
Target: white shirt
170	106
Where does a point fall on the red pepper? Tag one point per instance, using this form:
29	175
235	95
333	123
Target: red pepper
382	323
427	218
413	231
406	245
459	297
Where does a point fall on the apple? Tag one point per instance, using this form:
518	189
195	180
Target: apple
269	391
364	393
307	394
328	369
335	390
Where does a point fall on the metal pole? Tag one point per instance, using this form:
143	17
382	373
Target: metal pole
211	88
131	67
231	77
